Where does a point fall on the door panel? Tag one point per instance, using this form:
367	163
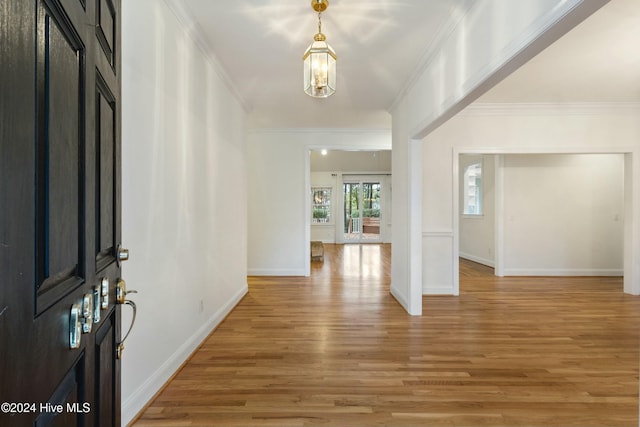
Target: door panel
106	373
105	119
371	211
362	209
59	210
352	223
60	71
106	29
69	395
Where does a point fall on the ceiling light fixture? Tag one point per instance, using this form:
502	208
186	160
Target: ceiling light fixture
319	60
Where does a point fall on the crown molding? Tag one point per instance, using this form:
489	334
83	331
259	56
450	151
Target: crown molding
194	31
318	130
551	109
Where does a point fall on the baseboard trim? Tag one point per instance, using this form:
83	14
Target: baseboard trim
140	398
402	300
563	272
275	272
437	290
479	260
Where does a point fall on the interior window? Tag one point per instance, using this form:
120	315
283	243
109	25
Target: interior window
472	189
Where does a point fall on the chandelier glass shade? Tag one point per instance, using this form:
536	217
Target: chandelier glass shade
319	61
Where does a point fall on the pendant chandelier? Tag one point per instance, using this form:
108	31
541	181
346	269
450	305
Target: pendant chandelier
319	60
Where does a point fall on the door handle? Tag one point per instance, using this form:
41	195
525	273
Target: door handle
120	347
121	293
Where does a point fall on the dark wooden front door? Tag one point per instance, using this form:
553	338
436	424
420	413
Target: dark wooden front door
59	211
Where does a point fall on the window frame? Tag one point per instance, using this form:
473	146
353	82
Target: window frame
479	190
326	203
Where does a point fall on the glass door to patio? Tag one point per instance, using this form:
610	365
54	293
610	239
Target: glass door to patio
361	210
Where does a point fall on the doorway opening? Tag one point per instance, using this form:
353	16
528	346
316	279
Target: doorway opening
361	213
547	214
350	196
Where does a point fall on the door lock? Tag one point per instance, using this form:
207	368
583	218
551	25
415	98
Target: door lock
122	254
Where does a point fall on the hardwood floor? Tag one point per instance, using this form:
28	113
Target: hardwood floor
337	350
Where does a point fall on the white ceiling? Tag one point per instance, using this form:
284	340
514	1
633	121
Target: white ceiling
381	43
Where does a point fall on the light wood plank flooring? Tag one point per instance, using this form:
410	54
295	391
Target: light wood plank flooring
337	350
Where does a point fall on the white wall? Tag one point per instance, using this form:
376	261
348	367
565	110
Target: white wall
279	211
351	161
516	129
184	197
406	212
563	214
477	232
